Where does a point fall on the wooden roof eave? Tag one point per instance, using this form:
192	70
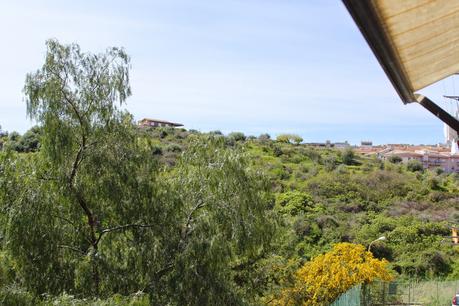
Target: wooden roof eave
366	17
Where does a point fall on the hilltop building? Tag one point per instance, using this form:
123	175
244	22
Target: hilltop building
147	122
366	143
341	145
329	144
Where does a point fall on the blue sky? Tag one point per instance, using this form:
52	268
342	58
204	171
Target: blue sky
232	65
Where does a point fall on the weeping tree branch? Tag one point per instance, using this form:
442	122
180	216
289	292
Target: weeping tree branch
186	231
187	228
77	227
71	248
121	228
78	159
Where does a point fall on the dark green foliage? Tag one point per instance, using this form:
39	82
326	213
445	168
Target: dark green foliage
29	142
13	142
277	151
414	166
174	148
156	150
100	214
236	136
348	156
264	137
329	162
12	295
395	159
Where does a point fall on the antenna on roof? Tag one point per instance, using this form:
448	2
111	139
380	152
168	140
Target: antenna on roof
452	97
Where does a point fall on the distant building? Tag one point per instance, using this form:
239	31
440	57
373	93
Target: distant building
431	157
317	144
341	145
147	122
404	155
366	143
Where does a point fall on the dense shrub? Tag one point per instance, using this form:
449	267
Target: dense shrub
320	281
294	202
289	138
264	137
395	159
348	156
237	136
414	166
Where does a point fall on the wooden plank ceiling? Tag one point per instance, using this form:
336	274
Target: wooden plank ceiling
424	35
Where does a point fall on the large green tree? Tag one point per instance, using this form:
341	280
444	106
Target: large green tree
93	212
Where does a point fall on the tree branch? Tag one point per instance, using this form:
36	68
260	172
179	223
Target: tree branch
71	248
189	219
121	228
184	236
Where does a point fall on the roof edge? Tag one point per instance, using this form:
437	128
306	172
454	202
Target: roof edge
368	22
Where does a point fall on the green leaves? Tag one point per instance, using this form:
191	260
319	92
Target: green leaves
101	215
294	202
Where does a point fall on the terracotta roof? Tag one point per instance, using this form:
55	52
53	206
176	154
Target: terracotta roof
403	153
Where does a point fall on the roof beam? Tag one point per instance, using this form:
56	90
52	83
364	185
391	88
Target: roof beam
438	112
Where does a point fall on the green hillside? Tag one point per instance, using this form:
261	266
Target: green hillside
314	198
327	195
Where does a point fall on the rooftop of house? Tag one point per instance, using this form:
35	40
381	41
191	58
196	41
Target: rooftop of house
150	120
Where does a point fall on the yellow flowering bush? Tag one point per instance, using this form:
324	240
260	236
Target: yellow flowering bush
320	281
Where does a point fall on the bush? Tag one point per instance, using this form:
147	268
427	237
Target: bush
277	151
30	141
321	280
237	136
174	148
348	156
14	142
289	138
294	202
156	150
138	299
264	137
162	134
395	159
414	166
12	295
329	163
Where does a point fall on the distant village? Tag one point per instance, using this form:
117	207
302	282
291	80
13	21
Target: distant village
439	156
431	156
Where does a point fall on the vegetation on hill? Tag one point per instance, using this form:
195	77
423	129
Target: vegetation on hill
96	211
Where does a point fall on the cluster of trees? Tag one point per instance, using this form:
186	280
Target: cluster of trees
103	212
29	142
289	138
351	198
